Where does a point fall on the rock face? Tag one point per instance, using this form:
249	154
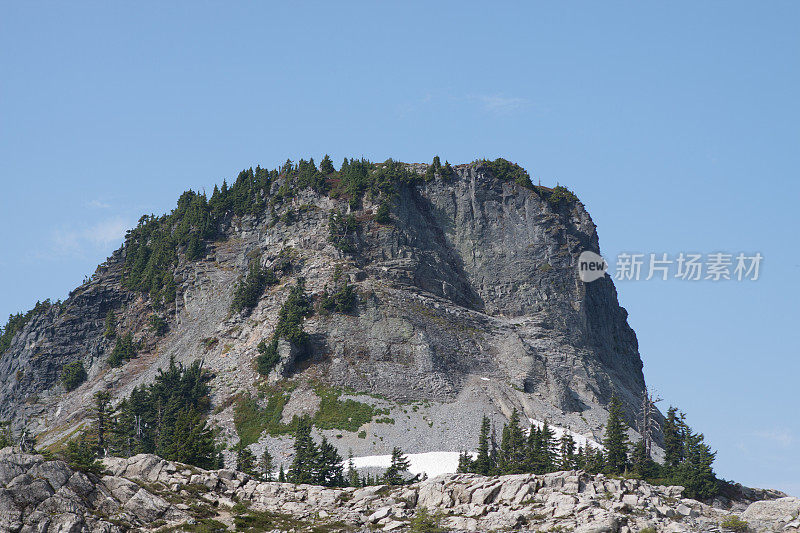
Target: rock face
145	492
468	303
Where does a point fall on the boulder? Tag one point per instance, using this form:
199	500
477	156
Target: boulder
773	510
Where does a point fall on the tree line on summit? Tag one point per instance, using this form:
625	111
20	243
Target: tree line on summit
152	249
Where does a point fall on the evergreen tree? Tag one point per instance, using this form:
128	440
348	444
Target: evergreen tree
124	350
267	357
533	451
642	465
599	461
245	460
493	451
290	317
157	324
281	475
326	165
110	330
593	461
512	454
695	472
447	170
483	462
688	459
352	473
382	213
80	455
192	440
465	463
566	452
343	300
329	471
548	449
616	438
394	475
72	375
674	434
167	417
101	416
249	290
304	463
266	464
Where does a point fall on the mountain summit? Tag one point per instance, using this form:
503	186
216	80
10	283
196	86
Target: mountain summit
395	304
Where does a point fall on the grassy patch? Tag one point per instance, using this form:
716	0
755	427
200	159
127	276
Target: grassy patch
335	413
258	521
204	525
251	420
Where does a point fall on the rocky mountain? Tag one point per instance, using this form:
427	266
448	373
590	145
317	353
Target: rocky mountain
465	301
147	493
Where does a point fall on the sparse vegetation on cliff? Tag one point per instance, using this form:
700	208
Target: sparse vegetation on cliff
124	350
252	286
16	322
507	171
72	375
341	300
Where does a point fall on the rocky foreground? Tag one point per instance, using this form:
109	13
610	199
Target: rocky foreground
147	493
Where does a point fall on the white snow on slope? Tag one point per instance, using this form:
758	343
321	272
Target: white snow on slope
430	463
436	463
580	440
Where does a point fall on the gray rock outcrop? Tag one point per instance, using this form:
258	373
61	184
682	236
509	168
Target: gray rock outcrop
145	493
469	303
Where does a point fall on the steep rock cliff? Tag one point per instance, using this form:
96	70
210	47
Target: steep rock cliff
468	303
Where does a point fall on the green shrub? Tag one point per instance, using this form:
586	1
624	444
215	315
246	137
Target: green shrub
6	438
251	420
72	375
123	351
734	523
249	290
507	171
426	522
342	231
343	300
267	357
382	214
560	195
157	324
290	318
110	330
80	454
258	521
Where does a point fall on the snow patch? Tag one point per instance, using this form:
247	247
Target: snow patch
431	463
580	440
437	463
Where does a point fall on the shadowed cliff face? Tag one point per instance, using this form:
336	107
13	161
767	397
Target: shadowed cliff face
468	297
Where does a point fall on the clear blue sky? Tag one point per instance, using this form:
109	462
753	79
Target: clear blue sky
677	125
